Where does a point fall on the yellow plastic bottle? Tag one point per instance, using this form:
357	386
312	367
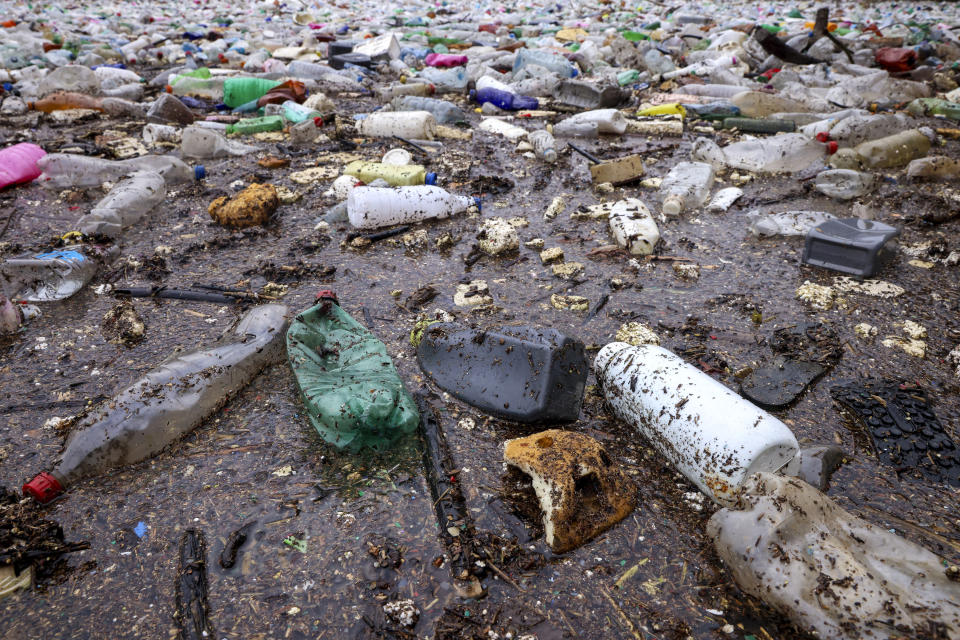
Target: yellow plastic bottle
669	109
406	175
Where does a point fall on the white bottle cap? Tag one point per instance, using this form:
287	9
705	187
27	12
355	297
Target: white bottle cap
672	205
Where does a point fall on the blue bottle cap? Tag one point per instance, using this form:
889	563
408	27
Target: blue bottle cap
7	86
476	201
431	179
473	94
199	172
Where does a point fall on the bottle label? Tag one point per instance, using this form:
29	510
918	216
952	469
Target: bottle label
73	256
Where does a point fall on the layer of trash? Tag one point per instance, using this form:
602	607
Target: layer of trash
460	320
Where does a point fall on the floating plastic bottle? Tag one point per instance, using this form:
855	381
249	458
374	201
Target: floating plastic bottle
62	101
201	142
935	168
444	112
544	146
372	207
406	124
714	437
606	121
50	276
787	223
548	60
352	392
723	200
843	184
784	152
504	100
393	91
503	128
633	227
396	175
445	80
125	204
250	126
167	403
18	163
687	186
891	151
68	170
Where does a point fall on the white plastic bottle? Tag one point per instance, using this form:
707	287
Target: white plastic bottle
199	142
607	121
723	200
786	223
125	204
843	184
544	146
154	133
406	124
714	437
503	128
633	227
687	186
373	207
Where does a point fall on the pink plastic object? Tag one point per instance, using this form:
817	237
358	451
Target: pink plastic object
444	60
19	163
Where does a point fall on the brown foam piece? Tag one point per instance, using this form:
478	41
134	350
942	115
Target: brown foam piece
582	492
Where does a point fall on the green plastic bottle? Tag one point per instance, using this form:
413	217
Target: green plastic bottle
249	126
406	175
634	36
238	91
350	388
627	77
934	107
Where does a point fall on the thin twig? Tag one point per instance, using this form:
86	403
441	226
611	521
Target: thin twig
505	577
630	625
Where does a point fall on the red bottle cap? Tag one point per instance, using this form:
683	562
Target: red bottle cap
327	294
823	136
832	147
43	488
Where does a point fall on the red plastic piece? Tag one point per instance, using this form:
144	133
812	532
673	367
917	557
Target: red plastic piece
327	294
832	147
43	488
896	60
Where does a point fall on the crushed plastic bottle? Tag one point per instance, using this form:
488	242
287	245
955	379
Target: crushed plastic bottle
127	203
843	184
350	387
167	403
52	275
67	170
686	186
787	223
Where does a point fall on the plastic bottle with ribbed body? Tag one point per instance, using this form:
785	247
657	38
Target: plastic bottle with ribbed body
372	207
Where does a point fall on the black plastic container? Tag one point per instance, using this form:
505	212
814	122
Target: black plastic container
526	374
850	245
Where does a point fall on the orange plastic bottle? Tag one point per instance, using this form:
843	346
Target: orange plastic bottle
66	100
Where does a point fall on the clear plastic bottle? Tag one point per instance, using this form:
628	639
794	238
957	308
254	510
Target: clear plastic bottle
167	403
843	184
788	223
547	59
757	104
393	91
206	88
859	128
68	170
544	146
406	124
490	82
50	276
125	204
296	113
397	175
935	168
607	121
714	437
785	152
154	133
168	108
687	186
372	207
444	112
657	63
891	151
445	80
503	128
